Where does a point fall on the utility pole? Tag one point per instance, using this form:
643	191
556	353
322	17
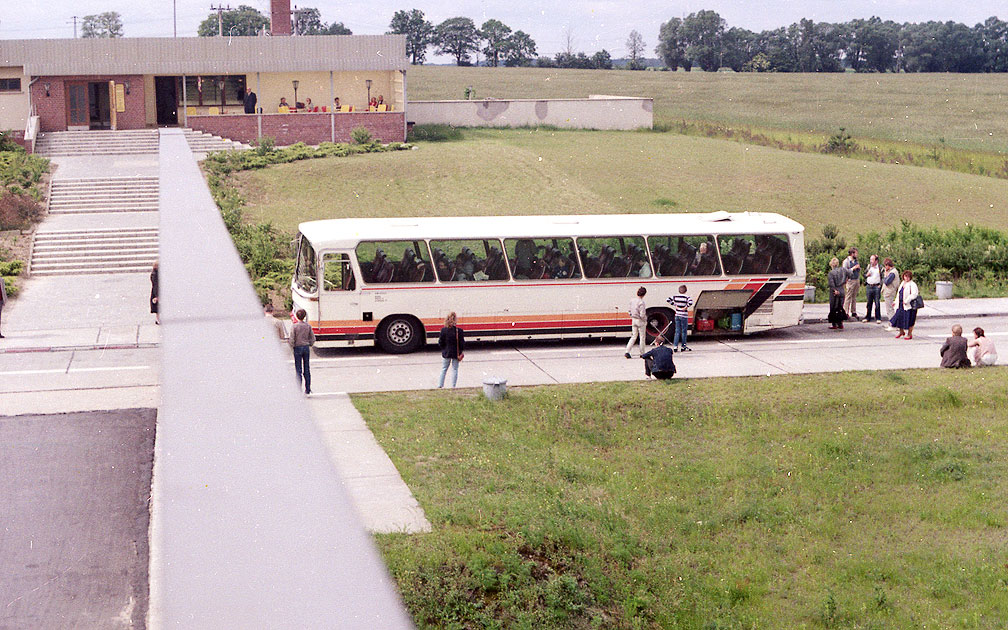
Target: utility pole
75	26
174	17
220	17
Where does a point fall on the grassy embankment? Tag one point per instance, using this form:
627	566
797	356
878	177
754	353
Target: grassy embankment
546	172
859	500
949	121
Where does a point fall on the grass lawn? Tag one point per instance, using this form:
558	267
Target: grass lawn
545	172
958	110
856	500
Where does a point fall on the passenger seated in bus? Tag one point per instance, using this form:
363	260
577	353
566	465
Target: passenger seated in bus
465	265
525	256
445	268
496	267
592	264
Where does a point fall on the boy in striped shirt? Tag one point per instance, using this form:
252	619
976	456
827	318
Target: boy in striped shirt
681	303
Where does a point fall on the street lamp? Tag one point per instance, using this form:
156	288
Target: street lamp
295	82
367	82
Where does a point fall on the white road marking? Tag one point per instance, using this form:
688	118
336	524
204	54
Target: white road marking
72	370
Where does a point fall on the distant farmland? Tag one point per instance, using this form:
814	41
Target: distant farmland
966	111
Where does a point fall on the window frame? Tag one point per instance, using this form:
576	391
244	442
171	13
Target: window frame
4	85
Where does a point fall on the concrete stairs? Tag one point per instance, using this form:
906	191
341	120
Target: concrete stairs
203	142
97	142
104	194
97	250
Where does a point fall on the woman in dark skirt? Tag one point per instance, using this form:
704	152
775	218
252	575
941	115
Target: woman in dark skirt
154	293
906	315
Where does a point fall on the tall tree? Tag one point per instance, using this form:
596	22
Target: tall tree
244	20
337	28
418	31
872	45
496	35
739	46
635	47
102	25
672	46
520	50
994	33
602	60
702	32
308	21
457	37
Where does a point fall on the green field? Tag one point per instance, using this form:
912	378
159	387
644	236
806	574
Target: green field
857	500
566	172
965	110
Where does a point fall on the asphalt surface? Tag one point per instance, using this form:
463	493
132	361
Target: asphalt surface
74	492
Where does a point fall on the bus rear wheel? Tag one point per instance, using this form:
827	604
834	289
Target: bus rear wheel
659	321
400	334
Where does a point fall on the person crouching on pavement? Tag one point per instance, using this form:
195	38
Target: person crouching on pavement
953	351
659	361
985	353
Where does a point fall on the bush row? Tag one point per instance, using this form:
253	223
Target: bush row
976	256
264	249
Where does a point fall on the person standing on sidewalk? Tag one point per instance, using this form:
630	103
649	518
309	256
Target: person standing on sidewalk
638	322
681	303
3	300
836	281
873	289
853	269
301	339
906	308
154	292
451	340
890	284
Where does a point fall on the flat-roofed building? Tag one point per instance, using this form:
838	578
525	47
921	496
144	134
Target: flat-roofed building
200	82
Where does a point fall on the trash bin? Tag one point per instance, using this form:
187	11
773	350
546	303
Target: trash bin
810	293
494	388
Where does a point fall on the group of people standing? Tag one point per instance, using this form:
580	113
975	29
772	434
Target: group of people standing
658	361
883	284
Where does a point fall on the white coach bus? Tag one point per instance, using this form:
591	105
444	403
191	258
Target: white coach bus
391	282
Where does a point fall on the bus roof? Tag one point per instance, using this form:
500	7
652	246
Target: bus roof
347	233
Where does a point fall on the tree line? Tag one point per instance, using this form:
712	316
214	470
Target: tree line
702	39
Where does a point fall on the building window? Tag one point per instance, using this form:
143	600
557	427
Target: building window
10	85
215	90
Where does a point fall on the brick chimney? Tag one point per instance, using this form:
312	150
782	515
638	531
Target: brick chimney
280	17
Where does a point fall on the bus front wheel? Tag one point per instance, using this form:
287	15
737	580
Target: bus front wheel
659	321
400	334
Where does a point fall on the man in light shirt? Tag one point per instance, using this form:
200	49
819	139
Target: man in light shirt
873	289
638	321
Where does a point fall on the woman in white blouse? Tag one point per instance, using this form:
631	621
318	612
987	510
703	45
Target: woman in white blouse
906	314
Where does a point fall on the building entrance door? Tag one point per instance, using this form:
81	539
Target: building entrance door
78	116
99	105
166	99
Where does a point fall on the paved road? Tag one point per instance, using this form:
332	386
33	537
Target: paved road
800	349
74	491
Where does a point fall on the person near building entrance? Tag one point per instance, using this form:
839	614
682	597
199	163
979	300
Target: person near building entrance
853	269
301	339
250	101
638	322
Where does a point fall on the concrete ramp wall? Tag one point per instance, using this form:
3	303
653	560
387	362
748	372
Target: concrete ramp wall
594	112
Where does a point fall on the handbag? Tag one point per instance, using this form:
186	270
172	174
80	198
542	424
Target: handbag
460	354
917	302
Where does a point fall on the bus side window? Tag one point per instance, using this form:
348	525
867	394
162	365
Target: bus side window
394	261
542	258
778	249
684	255
614	257
469	260
304	274
337	274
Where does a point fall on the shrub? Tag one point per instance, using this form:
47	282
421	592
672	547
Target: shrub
433	133
12	288
361	135
18	211
265	145
841	143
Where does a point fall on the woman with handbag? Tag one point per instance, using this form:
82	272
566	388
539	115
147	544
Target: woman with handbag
908	300
452	344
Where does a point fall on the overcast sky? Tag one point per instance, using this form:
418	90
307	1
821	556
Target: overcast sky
592	25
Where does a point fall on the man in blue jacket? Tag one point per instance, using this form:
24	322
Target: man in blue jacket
659	361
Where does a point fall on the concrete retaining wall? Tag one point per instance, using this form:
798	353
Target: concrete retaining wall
311	128
594	112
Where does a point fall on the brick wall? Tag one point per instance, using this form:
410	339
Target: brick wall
308	128
52	109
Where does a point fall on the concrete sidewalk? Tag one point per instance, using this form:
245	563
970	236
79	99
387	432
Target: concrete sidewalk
955	308
96	337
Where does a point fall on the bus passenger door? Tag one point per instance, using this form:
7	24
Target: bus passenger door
339	299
